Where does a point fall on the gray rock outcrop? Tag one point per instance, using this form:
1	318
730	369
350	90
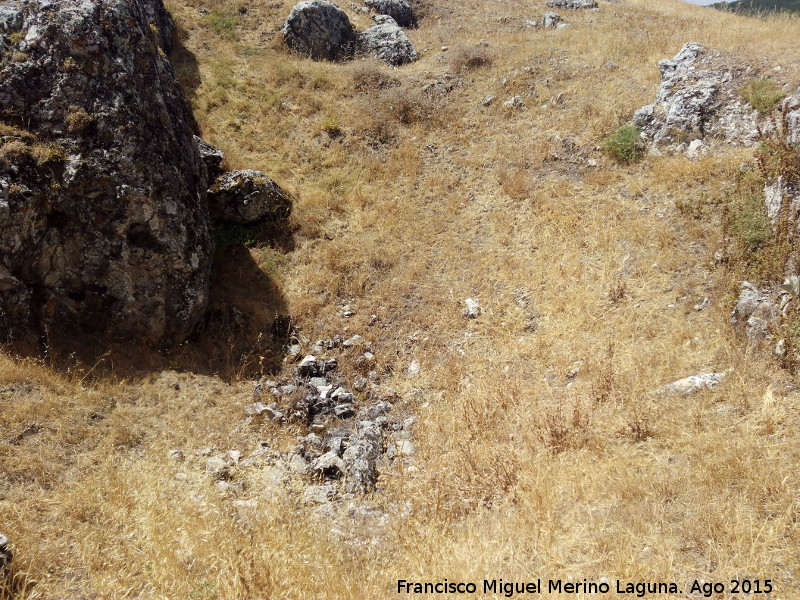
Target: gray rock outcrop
573	4
319	29
212	158
755	313
247	196
400	10
698	99
102	188
387	41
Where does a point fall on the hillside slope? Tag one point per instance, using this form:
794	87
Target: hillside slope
540	448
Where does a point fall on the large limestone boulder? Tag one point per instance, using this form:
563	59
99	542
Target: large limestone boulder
244	197
103	212
387	41
699	99
399	10
319	29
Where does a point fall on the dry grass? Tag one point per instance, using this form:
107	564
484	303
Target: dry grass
423	199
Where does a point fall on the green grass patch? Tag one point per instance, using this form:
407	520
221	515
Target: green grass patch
625	145
763	94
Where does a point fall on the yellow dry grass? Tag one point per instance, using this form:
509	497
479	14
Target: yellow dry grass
420	203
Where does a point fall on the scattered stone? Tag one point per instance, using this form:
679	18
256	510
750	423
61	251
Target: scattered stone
692	384
413	369
175	454
387	41
329	466
488	100
361	471
695	149
346	312
319	29
274	414
702	305
755	313
342	396
551	19
360	384
356	340
244	197
698	100
573	4
219	468
514	102
309	367
344	411
297	464
255	409
472	310
399	10
319	494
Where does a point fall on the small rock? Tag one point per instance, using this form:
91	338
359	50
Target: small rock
445	48
702	304
692	384
347	312
344	411
360	384
329	466
488	100
235	456
330	365
472	310
551	19
297	464
255	409
175	454
514	102
219	468
309	367
318	382
274	414
319	494
342	396
356	340
413	369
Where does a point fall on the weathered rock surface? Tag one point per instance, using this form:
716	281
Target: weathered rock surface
698	99
756	312
102	188
366	446
319	29
247	196
399	10
387	41
573	4
692	384
551	20
212	158
791	106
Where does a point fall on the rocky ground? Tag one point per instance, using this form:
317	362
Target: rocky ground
385	300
